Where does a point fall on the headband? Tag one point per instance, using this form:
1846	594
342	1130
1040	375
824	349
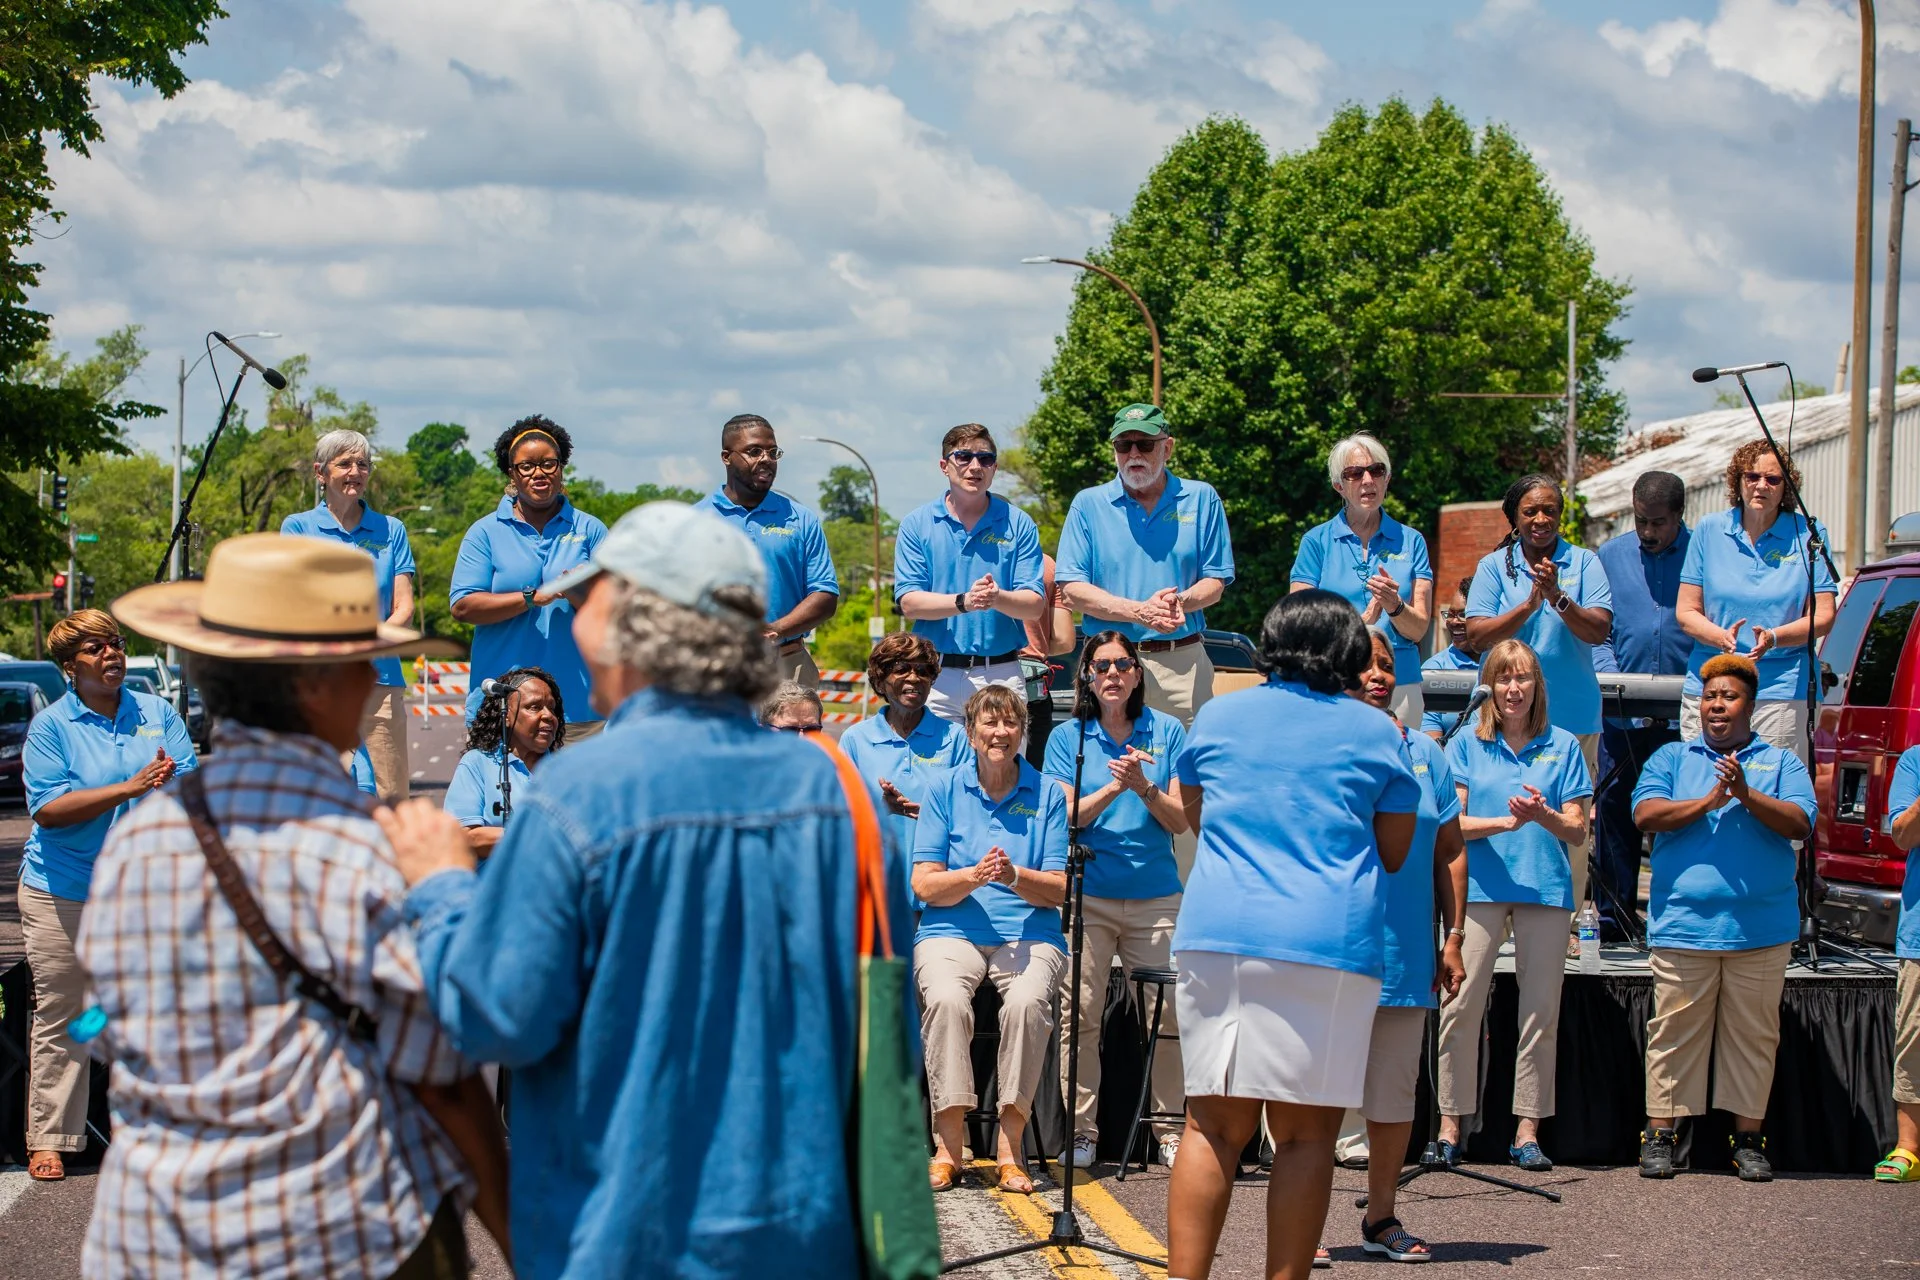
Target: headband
530	431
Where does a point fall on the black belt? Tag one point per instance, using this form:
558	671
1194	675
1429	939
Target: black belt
968	661
1161	646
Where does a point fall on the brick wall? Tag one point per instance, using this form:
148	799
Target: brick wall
1468	530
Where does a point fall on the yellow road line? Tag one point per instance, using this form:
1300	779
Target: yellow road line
1120	1227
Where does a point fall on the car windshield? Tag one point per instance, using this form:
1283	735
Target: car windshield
16	706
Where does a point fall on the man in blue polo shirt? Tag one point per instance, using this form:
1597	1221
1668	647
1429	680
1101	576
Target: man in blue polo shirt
966	570
1459	655
802	589
1148	553
1643	570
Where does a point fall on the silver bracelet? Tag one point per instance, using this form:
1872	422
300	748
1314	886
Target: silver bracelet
1457	933
1015	882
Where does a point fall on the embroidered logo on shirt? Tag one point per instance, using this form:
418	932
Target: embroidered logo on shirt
775	531
997	539
147	731
1420	768
1024	811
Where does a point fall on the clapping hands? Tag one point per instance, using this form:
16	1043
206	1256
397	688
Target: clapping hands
1161	611
1730	782
982	594
1385	592
1128	771
1529	807
995	868
153	775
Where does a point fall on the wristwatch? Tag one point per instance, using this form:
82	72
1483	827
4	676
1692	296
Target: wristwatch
1560	605
960	601
1398	609
1457	933
526	594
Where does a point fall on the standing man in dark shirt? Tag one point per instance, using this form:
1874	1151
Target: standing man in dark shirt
1643	569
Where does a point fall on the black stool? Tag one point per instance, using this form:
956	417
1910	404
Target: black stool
1160	979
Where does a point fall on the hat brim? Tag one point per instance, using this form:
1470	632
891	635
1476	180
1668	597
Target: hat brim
1121	428
170	612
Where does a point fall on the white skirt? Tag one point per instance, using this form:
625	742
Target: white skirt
1272	1029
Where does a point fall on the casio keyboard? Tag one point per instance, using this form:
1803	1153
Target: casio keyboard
1621	694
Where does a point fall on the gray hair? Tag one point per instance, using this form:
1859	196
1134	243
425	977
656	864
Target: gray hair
337	444
790	693
1337	456
686	651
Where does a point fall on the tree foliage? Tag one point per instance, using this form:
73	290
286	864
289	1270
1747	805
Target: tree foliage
847	494
1336	290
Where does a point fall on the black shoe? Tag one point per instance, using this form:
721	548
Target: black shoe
1656	1153
1750	1158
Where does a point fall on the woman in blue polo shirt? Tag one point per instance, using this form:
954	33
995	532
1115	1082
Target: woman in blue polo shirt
85	761
1743	589
1524	794
1372	561
990	862
1129	813
1304	801
1724	809
520	720
508	557
1903	824
343	468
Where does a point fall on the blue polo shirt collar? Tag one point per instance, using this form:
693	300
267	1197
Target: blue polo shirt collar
329	522
1344	531
1117	493
1027	784
77	710
774	504
1500	739
504	512
998	513
930	726
1701	746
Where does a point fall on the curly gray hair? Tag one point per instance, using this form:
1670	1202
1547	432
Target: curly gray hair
688	651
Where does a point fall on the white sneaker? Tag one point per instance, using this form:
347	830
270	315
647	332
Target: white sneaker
1081	1157
1169	1148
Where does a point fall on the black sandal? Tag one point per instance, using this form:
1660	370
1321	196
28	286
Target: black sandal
1390	1236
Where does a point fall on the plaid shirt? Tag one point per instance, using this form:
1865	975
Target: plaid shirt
252	1136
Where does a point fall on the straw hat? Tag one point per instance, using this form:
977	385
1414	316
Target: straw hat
270	598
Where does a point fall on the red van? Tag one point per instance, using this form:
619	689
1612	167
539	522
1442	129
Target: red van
1870	671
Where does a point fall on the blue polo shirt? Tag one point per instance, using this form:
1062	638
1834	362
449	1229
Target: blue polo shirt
1573	691
70	747
792	543
1646	637
502	553
1901	793
382	537
1451	658
914	764
475	788
1763	582
1725	882
1332	558
365	781
959	824
1529	865
1112	542
1287	868
935	552
1133	853
1411	937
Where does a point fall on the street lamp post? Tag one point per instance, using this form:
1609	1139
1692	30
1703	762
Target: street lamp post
1153	330
1862	304
180	446
876	623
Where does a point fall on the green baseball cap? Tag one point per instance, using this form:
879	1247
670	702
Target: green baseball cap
1144	418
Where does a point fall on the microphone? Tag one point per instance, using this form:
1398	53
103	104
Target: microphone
487	686
1481	692
1709	374
274	378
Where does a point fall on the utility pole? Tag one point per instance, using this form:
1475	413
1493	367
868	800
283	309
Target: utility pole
1862	305
1890	342
1573	398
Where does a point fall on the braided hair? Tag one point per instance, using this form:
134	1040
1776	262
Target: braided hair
1510	505
489	727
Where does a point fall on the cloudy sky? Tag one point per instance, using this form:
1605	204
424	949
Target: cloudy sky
642	218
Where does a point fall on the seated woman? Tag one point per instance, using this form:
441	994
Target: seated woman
1723	912
990	862
1524	790
1130	811
523	711
1903	812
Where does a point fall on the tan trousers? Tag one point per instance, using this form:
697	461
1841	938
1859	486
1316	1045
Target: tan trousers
1540	961
1179	683
383	727
1027	976
798	667
1906	1035
1780	721
1140	931
59	1071
1724	1001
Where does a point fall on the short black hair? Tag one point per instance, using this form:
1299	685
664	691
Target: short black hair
260	695
1661	489
738	425
1315	638
503	447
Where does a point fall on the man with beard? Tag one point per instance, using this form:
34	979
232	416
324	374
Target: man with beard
802	589
1147	553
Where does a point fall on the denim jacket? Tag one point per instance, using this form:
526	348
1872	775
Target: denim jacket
662	950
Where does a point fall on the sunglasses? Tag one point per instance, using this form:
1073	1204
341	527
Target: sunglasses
1136	445
118	644
760	453
795	728
967	457
925	670
1761	477
1377	470
1100	666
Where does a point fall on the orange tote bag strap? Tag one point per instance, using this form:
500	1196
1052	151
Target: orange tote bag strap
869	857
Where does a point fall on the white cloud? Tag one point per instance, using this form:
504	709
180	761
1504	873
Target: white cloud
1804	49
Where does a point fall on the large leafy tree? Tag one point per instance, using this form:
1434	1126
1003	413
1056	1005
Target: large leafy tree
1340	289
50	50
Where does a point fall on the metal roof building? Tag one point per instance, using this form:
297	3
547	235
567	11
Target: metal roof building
1697	449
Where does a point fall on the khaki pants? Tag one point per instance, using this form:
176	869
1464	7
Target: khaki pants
1026	974
383	727
797	666
59	1074
1179	683
1393	1064
1726	1001
1140	930
1540	963
1780	721
1906	1035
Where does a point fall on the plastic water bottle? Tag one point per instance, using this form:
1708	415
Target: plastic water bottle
88	1025
1589	924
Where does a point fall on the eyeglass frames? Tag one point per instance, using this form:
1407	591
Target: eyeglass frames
1761	477
1124	447
760	453
537	466
966	457
99	645
1375	470
1100	666
925	670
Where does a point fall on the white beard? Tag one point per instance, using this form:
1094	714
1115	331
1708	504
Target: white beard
1154	472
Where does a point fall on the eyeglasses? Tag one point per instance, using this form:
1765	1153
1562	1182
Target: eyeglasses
1452	615
537	466
795	728
1124	447
925	670
1761	477
760	453
117	644
967	457
1377	470
1100	666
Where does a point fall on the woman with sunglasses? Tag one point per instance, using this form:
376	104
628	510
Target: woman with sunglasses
1743	589
508	556
1129	811
85	761
521	720
1376	563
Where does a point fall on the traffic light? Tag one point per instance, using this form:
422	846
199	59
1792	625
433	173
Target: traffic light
86	591
59	494
60	596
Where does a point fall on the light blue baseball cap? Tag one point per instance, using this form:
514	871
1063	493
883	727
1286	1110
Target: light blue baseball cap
676	551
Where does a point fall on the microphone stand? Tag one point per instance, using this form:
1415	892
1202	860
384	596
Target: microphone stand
504	805
1810	928
1626	914
1065	1232
185	521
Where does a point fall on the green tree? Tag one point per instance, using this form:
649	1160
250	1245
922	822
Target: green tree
1909	373
1794	390
594	498
440	454
847	494
1335	290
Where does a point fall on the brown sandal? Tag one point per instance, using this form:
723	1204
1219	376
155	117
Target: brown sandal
1014	1179
46	1166
941	1173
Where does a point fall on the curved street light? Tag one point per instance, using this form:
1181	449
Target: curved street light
1153	330
180	440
